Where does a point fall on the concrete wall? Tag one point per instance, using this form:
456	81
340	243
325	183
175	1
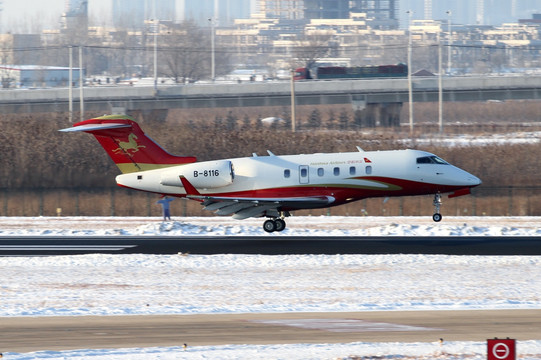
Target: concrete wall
374	91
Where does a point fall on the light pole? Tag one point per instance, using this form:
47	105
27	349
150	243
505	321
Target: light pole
410	91
449	41
212	55
70	85
155	57
440	85
81	83
292	85
156	26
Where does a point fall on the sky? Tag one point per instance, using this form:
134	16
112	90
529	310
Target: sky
19	16
23	16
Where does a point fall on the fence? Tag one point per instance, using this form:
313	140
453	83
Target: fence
484	201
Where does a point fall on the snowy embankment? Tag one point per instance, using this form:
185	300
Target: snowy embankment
141	284
296	226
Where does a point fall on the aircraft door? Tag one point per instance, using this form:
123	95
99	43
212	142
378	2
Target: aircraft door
304	172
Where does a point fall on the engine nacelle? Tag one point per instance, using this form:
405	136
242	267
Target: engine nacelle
207	174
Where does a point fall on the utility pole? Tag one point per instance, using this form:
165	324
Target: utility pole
81	83
156	27
449	41
293	125
440	85
410	90
70	84
212	51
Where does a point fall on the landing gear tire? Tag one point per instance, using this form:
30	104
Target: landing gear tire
279	225
269	226
274	225
436	217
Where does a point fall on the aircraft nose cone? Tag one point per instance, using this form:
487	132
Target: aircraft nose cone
473	180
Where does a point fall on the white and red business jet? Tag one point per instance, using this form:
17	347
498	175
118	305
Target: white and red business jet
272	186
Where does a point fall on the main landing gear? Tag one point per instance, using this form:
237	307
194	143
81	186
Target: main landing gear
272	225
437	204
276	221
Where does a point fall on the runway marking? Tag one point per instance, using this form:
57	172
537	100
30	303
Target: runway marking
64	247
343	325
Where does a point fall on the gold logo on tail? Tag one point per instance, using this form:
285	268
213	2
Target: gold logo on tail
130	147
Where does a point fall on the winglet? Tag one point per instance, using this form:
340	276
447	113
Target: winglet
190	189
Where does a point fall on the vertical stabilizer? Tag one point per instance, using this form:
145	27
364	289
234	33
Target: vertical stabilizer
129	147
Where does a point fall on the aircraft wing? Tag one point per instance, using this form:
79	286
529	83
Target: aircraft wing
242	208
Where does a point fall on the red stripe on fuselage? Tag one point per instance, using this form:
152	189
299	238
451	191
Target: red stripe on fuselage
342	193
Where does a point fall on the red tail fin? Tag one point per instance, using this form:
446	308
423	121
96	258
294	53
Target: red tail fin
129	147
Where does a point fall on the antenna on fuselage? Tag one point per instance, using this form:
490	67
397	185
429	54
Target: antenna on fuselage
359	148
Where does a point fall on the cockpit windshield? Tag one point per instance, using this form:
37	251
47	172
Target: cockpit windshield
431	160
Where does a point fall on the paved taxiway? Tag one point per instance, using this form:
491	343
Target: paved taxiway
27	334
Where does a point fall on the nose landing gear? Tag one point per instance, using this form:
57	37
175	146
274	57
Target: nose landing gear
437	204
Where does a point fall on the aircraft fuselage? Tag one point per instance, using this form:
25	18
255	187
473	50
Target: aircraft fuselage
342	177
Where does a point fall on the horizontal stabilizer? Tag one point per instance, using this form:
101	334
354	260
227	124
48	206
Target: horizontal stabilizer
95	127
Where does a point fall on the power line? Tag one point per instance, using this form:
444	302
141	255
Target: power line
263	50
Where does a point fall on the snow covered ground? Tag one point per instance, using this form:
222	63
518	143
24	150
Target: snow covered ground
296	226
141	284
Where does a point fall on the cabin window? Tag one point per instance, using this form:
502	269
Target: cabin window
287	173
320	172
352	170
304	172
368	170
336	171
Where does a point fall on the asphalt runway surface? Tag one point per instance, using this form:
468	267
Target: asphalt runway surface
27	334
270	245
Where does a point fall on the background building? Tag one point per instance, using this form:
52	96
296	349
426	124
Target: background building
281	9
131	14
17	48
128	14
223	11
469	12
322	9
379	13
76	16
36	76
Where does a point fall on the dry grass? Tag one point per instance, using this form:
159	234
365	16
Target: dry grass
43	170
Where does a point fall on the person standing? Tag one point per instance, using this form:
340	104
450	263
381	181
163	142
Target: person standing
165	203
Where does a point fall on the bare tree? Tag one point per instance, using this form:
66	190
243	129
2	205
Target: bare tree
5	59
311	48
186	52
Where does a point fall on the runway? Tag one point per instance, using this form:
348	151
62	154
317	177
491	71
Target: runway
65	333
270	245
